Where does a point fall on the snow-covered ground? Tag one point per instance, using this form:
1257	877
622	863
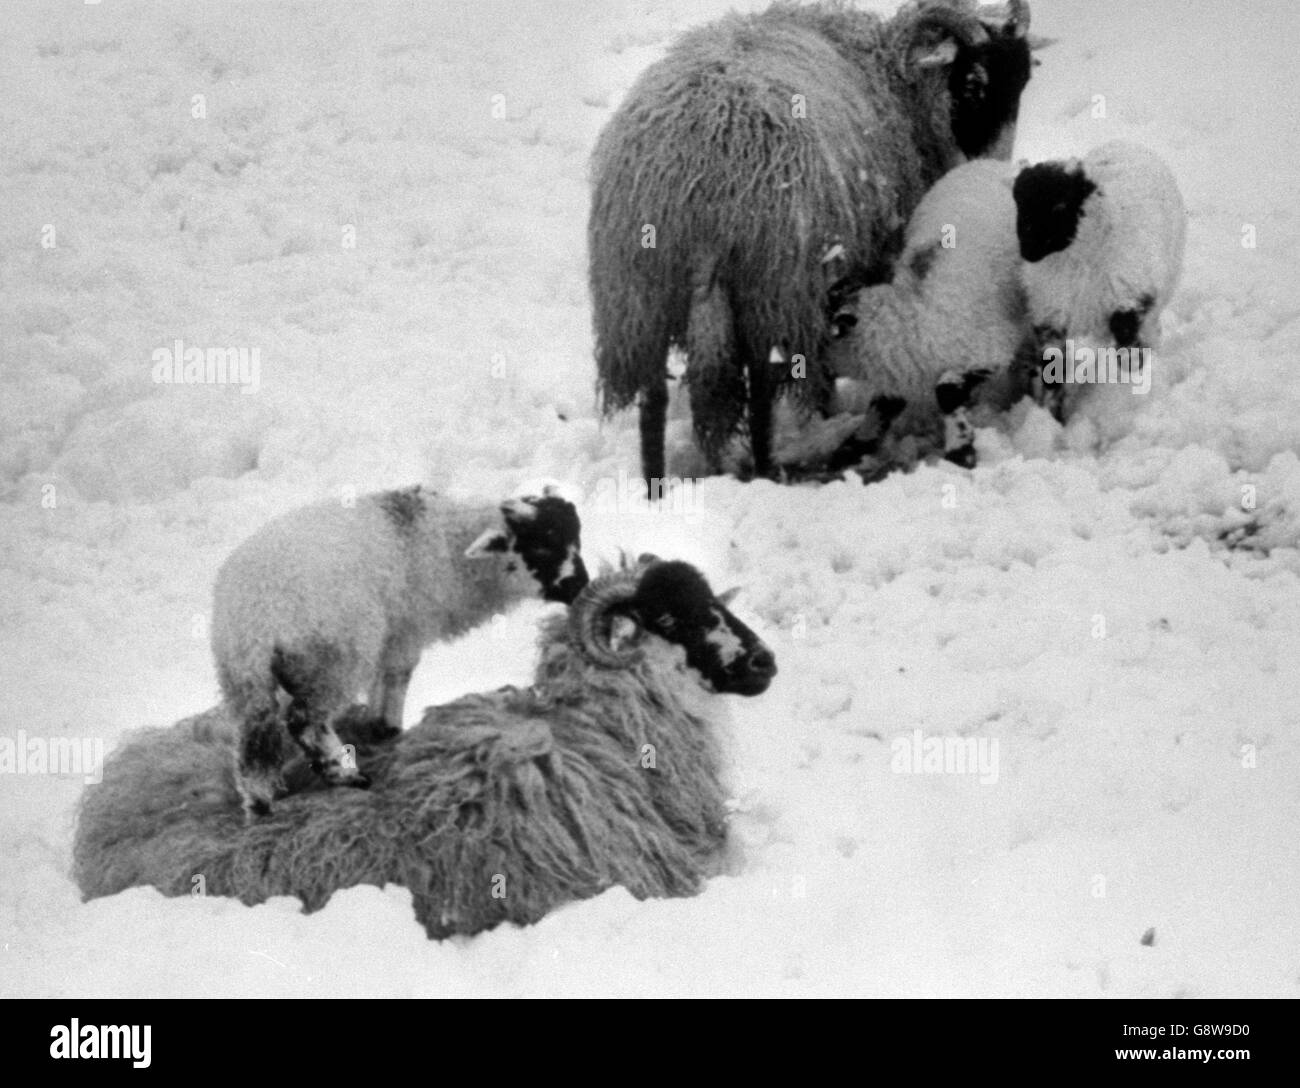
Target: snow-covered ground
1073	599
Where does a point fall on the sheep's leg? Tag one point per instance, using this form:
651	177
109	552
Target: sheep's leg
654	421
760	415
953	394
261	757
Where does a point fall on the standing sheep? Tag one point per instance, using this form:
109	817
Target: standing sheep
762	158
331	600
952	319
1102	240
497	807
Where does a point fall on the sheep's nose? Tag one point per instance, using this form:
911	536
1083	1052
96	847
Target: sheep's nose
763	660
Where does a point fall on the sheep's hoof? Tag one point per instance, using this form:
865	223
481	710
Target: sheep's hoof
963	457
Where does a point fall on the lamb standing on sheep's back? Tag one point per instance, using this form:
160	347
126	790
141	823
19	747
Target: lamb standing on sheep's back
766	157
497	807
332	600
1102	240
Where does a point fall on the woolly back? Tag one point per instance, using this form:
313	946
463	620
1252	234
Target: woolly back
753	147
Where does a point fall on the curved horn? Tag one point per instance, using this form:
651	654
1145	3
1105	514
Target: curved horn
1018	17
587	615
966	28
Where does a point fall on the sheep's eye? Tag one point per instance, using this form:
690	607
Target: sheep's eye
666	622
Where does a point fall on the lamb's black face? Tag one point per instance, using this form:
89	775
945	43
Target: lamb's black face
985	83
674	601
1049	205
545	534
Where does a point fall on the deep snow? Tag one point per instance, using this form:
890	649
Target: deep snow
1146	779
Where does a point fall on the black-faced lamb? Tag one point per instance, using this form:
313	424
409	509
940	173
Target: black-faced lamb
331	600
1102	241
763	158
496	807
952	320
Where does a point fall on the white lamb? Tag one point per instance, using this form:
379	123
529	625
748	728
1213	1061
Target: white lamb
952	317
1102	243
332	600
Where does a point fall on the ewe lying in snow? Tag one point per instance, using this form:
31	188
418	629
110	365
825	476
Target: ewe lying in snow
497	807
331	600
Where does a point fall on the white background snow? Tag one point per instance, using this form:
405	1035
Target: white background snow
1148	779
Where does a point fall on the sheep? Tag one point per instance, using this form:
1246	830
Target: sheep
762	157
953	318
496	807
1102	243
331	599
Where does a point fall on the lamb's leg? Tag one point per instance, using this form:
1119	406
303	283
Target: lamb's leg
260	759
1049	395
1130	329
953	394
853	451
394	676
320	689
311	724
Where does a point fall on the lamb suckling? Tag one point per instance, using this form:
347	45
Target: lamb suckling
335	599
951	321
497	807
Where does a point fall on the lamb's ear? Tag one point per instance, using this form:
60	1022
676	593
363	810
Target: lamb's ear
491	542
729	596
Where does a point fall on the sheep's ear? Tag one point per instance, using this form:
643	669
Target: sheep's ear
491	542
729	596
938	56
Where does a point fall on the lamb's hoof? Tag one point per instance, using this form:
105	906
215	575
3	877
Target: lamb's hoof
381	731
258	792
255	809
963	457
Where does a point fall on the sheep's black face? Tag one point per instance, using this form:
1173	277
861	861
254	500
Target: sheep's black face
674	601
545	533
985	84
1049	205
